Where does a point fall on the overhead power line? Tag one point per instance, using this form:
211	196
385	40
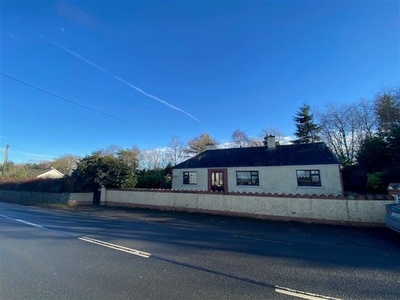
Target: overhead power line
86	107
30	154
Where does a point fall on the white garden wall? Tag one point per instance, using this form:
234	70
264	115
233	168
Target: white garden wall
319	210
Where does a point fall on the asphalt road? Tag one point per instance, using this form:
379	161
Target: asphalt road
101	253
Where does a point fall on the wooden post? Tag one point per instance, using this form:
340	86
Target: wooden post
5	162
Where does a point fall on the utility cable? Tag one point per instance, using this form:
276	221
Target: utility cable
86	107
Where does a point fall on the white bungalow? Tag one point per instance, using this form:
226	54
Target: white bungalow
297	169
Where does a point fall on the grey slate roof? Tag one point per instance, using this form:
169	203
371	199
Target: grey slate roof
285	155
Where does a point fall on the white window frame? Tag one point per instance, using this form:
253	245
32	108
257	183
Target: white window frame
189	177
308	178
252	179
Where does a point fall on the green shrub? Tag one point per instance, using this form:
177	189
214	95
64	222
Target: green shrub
375	181
153	182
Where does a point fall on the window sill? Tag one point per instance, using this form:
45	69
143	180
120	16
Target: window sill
310	187
248	186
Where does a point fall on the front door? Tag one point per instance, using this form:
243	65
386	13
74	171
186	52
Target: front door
217	180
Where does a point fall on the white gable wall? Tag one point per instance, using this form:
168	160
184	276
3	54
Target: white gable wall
271	180
53	174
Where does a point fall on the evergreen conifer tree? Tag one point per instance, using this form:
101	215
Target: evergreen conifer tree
307	131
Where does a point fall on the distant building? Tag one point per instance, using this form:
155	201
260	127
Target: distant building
44	174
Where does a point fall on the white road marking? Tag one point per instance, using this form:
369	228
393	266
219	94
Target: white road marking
22	221
4	216
31	224
36	225
116	247
303	295
278	289
87	239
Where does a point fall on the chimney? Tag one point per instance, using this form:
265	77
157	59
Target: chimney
210	147
271	142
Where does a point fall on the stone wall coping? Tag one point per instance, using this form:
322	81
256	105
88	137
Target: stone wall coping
275	195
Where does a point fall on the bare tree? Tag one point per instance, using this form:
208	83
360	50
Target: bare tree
344	127
240	138
387	109
110	150
198	144
17	171
366	117
66	163
176	151
271	131
44	165
153	159
256	142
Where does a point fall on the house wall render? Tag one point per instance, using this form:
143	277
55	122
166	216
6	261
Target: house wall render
280	179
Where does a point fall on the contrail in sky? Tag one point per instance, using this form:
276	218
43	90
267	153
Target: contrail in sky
121	80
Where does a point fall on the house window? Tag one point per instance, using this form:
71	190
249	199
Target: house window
189	178
308	178
247	177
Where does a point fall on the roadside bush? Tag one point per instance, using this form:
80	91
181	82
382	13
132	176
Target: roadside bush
130	182
95	170
152	182
375	181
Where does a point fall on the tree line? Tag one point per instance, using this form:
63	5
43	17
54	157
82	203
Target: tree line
364	136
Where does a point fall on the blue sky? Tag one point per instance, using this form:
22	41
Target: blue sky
182	68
